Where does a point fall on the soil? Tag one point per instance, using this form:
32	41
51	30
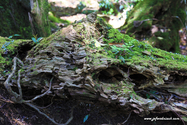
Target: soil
59	109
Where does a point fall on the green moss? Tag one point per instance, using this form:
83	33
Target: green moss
14	22
140	53
114	36
52	18
41	17
147	13
45	43
139	13
8	50
52	25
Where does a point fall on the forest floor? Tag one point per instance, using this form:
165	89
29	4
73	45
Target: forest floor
19	114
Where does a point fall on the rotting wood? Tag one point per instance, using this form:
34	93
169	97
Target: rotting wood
89	75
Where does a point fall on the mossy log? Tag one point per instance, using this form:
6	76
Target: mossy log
86	66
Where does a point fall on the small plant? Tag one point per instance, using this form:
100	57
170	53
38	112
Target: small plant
10	37
118	53
131	46
4	47
81	6
107	7
85	118
35	39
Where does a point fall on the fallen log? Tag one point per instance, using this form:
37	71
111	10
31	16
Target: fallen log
91	62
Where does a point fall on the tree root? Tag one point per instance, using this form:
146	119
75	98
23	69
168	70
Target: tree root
18	98
127	118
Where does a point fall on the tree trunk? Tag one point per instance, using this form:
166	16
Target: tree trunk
75	63
157	21
18	17
39	10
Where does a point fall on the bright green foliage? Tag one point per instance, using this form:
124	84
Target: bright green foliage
7	43
8	49
52	18
107	7
81	6
114	36
36	40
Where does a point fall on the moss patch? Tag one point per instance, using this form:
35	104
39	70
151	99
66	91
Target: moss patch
9	49
134	52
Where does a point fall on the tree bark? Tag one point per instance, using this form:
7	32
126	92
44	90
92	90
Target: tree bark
39	10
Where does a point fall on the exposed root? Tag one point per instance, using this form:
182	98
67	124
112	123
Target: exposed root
39	96
127	118
52	120
18	98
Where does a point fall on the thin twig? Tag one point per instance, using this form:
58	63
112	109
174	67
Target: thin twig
34	107
6	100
71	115
170	97
128	72
47	105
2	105
177	114
127	118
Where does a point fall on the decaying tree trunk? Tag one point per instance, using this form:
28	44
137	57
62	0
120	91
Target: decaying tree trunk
76	63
